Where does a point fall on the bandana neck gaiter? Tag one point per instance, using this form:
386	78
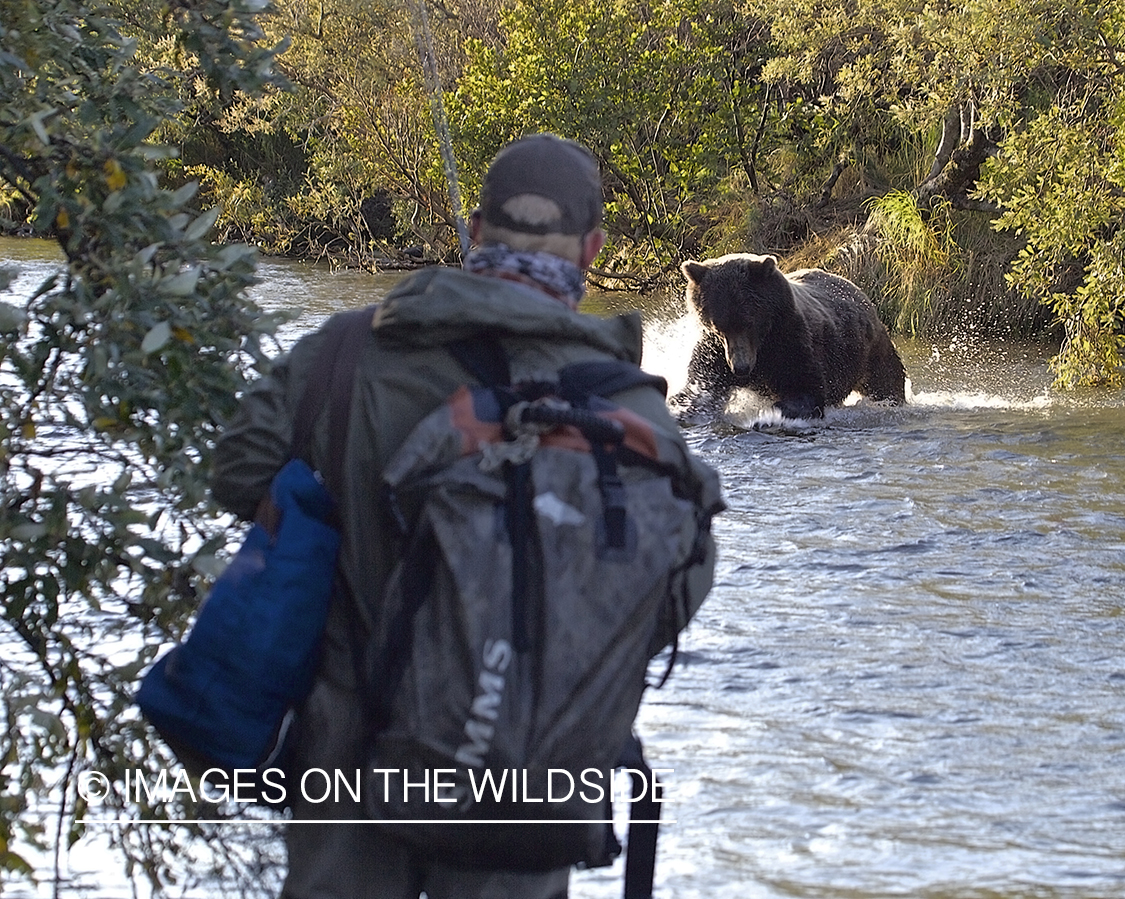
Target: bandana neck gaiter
556	276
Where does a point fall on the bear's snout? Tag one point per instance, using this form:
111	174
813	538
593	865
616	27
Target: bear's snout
742	356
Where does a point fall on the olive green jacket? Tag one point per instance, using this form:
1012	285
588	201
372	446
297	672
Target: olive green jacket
404	372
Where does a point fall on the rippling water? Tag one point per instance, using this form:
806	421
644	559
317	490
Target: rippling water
909	679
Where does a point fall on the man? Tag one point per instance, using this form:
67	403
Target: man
535	233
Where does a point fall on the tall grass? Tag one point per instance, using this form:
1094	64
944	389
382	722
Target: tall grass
932	276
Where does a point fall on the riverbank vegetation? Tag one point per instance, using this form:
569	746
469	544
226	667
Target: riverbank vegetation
962	162
114	378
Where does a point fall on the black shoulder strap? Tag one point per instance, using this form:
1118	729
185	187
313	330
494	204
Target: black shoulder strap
330	381
644	823
605	377
483	356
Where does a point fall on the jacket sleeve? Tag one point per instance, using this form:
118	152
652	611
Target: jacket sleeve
258	441
255	444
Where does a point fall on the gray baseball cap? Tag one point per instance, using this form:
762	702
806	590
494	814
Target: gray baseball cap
548	166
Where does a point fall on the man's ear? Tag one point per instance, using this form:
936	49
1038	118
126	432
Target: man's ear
592	244
474	226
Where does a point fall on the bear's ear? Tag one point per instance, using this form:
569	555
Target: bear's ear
768	262
694	271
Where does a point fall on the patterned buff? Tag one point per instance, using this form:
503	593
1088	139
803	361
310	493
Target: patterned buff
558	277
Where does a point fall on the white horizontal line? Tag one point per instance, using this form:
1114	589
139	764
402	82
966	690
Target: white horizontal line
88	822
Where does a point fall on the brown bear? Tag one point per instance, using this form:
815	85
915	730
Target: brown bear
803	340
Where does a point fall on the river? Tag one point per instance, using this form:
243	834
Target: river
909	679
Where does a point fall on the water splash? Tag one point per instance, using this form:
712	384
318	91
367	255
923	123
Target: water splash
958	375
668	346
975	399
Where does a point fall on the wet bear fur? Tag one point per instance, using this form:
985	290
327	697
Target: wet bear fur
803	340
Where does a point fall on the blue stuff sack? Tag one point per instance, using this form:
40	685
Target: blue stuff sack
222	697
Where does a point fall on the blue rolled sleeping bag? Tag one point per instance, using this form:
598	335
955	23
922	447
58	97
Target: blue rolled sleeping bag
221	698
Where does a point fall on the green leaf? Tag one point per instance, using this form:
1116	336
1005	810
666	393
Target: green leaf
12	317
202	225
36	123
181	195
156	338
182	284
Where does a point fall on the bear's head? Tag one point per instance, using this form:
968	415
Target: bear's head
740	298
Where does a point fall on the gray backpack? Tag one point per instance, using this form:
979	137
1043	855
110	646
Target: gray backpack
547	534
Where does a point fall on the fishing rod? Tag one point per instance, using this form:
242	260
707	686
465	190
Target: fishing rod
424	40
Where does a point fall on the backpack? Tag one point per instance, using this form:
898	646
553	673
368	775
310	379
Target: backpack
546	537
224	697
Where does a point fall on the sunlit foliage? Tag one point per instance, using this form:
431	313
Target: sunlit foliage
114	378
1026	97
666	95
720	125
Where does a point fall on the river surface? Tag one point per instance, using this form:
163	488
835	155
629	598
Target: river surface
909	679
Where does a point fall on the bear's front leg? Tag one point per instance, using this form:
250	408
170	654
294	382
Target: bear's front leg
710	381
802	406
798	385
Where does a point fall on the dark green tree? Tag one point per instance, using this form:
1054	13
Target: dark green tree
114	378
347	163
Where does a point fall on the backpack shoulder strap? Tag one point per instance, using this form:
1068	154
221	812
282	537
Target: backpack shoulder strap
644	822
605	377
334	369
484	357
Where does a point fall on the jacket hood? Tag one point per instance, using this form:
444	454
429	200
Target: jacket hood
436	306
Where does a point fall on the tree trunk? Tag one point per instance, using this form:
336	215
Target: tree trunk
961	152
950	138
